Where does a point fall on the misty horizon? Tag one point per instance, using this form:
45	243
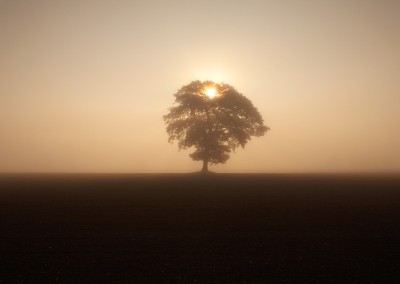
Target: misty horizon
84	85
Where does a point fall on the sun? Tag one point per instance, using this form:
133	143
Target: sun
211	92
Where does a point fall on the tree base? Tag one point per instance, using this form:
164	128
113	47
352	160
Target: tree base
206	172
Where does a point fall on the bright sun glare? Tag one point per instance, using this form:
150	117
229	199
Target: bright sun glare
211	92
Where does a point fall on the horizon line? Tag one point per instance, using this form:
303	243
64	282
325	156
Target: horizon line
397	172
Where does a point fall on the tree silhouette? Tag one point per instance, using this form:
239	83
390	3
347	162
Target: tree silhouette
214	119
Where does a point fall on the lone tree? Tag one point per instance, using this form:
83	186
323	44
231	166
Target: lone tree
214	119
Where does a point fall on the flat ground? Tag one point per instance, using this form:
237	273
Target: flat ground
221	228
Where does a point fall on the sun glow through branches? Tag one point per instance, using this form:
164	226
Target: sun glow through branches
211	92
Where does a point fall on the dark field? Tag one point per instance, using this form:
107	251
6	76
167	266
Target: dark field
221	228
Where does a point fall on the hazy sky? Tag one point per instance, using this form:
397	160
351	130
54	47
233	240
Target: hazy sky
84	83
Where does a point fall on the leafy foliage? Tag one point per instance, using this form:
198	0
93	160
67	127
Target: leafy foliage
213	126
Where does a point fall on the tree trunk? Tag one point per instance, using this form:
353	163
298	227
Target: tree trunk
205	166
206	150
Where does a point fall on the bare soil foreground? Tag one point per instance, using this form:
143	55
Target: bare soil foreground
189	228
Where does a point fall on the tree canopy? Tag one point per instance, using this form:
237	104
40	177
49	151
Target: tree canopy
214	119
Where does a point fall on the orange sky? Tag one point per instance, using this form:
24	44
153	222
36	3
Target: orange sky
84	84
